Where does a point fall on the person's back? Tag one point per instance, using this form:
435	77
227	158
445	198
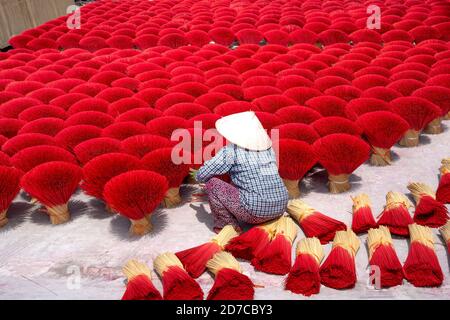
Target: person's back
257	194
255	174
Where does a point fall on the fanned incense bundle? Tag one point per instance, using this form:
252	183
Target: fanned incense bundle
136	194
445	232
9	188
395	215
443	190
229	283
296	158
249	243
382	129
422	267
139	284
429	212
160	161
314	223
338	270
363	218
341	154
382	255
275	258
194	260
177	284
52	184
304	277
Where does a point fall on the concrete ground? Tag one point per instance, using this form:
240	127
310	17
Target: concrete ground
82	259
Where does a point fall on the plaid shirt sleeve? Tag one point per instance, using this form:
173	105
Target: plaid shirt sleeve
220	164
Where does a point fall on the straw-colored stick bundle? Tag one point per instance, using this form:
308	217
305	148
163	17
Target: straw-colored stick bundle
230	283
363	218
435	126
429	212
443	190
304	277
139	282
249	243
314	223
410	139
422	267
177	284
445	232
382	255
338	270
276	256
396	214
194	259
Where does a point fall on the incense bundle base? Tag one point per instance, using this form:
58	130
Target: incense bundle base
275	258
229	281
445	232
429	212
304	277
230	284
410	139
249	243
443	190
382	255
362	219
447	116
395	215
338	271
380	157
422	267
172	198
194	260
314	223
292	188
339	183
58	214
141	227
141	288
3	219
434	127
139	283
177	284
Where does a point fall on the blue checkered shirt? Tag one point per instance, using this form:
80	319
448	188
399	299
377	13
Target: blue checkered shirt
255	174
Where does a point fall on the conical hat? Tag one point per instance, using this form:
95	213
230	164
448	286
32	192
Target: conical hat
244	130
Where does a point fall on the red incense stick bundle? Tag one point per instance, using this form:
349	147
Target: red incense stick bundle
429	212
338	270
313	222
395	215
247	244
194	260
139	282
363	218
382	255
445	232
9	188
443	190
276	257
229	283
304	277
422	267
136	194
52	184
177	284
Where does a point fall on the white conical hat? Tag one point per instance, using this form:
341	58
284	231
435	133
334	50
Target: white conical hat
244	130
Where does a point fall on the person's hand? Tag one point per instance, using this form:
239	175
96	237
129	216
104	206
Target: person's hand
193	173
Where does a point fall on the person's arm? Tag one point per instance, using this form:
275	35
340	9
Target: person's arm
220	164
